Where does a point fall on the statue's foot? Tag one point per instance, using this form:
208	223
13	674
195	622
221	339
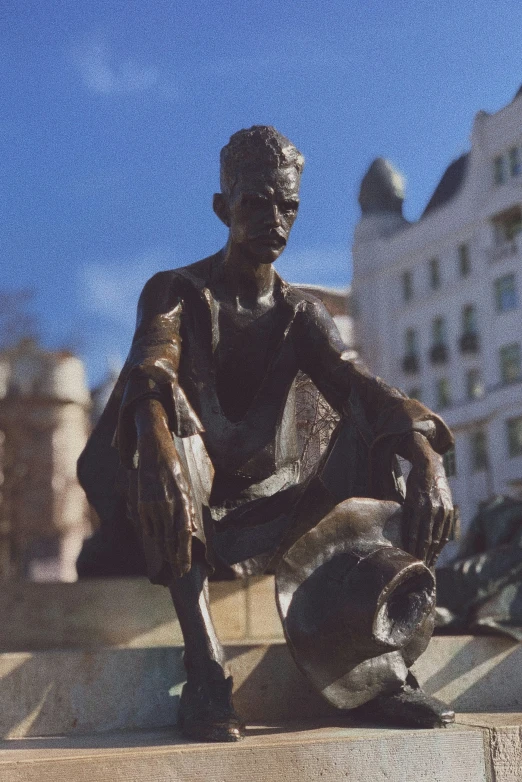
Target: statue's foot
409	707
206	712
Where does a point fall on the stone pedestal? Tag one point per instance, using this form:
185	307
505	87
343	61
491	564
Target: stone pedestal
95	668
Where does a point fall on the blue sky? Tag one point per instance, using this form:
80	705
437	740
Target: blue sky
114	113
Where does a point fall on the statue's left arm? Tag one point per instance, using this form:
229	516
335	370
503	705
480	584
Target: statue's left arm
393	422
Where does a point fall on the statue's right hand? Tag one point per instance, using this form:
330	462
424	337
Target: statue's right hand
165	505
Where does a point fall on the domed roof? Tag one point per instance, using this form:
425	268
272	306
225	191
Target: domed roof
382	188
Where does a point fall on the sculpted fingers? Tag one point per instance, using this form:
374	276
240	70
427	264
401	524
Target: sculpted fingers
184	550
184	499
440	515
166	509
447	531
169	541
425	524
186	526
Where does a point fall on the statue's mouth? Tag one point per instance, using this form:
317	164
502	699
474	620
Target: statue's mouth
271	240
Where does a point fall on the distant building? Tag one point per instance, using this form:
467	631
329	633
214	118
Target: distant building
438	302
44	423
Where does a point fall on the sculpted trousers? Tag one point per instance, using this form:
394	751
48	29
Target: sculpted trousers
244	534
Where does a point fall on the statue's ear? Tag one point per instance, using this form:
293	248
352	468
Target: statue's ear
220	206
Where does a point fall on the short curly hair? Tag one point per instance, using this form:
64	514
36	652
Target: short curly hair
256	149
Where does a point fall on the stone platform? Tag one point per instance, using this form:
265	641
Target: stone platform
95	668
126	612
69	692
303	753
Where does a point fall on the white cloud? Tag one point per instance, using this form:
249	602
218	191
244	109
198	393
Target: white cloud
103	75
110	289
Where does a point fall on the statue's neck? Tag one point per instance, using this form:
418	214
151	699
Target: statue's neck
244	279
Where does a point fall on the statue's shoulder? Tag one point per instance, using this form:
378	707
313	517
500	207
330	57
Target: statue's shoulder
197	273
301	297
174	282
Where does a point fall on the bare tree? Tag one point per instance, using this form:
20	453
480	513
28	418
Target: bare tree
17	323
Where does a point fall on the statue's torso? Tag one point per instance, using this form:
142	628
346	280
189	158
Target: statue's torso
238	370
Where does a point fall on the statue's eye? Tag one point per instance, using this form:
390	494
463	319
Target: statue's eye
290	206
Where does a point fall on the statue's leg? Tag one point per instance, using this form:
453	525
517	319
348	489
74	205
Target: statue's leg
340	474
206	712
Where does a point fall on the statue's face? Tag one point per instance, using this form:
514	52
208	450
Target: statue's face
262	210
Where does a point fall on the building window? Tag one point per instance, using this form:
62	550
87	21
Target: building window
474	384
407	286
499	170
506	293
464	261
514	161
434	274
443	393
449	461
507	225
479	450
514	434
410	362
469	319
411	342
510	363
439	348
415	393
469	339
438	330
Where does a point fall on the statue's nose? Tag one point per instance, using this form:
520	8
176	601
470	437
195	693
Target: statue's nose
275	215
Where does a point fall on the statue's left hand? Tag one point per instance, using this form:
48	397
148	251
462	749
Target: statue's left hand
428	507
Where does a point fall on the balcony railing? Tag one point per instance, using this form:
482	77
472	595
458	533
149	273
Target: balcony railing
410	363
469	342
504	250
439	354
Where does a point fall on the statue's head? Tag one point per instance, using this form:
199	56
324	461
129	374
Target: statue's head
259	199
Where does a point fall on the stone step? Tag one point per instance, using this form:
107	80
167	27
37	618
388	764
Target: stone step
126	611
67	692
304	753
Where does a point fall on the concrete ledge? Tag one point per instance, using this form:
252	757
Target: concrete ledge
503	743
126	611
73	692
299	754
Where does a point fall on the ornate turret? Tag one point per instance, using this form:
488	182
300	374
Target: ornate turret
382	188
381	196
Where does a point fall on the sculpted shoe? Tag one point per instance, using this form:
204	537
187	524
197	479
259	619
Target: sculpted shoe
409	707
206	712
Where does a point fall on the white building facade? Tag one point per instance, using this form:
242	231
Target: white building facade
44	424
438	302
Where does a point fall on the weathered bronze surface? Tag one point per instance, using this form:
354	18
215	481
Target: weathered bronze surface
481	590
205	476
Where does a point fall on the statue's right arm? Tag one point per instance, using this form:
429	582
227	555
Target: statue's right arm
153	405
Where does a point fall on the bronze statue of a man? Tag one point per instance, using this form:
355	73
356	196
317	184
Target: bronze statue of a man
205	473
